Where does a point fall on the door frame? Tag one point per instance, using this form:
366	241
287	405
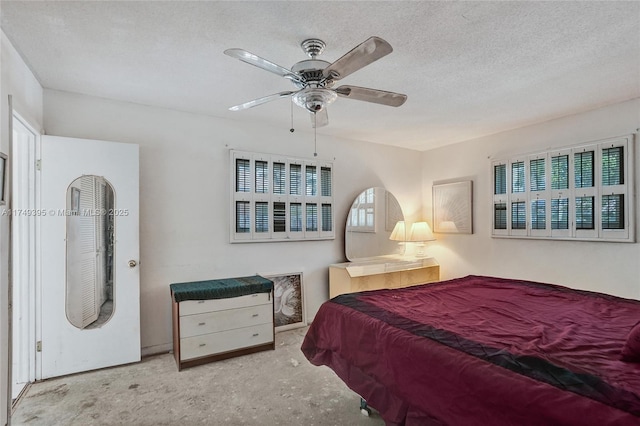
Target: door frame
25	262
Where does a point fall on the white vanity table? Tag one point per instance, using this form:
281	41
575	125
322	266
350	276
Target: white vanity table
382	272
376	261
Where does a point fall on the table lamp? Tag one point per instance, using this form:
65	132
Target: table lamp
421	232
399	232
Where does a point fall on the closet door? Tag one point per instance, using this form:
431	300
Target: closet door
89	249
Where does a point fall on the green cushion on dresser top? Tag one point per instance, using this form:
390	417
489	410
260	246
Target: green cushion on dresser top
221	288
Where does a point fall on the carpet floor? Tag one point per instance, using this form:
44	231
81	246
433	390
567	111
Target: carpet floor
267	388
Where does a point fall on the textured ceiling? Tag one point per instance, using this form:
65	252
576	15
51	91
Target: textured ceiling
469	68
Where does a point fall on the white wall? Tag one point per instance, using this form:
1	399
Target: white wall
184	195
607	267
15	80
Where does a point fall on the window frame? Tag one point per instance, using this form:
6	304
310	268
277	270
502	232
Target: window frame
270	197
501	198
573	193
561	193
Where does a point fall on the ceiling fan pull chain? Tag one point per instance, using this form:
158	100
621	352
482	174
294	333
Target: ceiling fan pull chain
315	134
292	129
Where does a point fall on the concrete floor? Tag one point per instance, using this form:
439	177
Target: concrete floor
268	388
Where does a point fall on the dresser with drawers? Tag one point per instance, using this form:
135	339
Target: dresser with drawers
218	319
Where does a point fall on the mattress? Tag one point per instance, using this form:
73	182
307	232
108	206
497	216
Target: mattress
483	350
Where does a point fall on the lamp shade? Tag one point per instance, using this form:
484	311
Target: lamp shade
420	232
399	232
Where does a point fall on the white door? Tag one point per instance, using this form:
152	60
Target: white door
24	230
77	217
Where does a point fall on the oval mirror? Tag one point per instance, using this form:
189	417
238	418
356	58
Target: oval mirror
90	251
372	220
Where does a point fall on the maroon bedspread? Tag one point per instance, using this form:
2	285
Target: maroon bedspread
483	351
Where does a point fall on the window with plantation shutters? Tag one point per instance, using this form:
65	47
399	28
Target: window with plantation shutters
295	179
584	213
560	213
518	215
500	216
500	197
612	166
560	172
262	177
538	214
537	194
243	175
537	173
584	169
500	179
517	177
325	175
312	217
612	207
310	180
279	198
295	217
279	217
279	178
243	217
579	192
327	218
262	216
613	211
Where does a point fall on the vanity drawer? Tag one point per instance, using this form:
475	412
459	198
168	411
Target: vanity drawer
211	322
224	341
190	307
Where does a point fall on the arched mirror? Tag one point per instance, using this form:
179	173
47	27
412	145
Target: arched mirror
373	217
90	250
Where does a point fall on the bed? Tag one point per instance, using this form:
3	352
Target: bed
484	351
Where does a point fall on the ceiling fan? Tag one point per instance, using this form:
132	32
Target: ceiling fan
315	78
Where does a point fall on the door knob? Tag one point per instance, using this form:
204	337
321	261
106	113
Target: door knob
132	264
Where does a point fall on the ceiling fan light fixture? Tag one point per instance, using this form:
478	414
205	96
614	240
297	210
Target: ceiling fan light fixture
314	99
315	77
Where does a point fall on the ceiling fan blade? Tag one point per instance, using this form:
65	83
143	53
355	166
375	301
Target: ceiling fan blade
371	95
360	56
260	101
259	62
319	118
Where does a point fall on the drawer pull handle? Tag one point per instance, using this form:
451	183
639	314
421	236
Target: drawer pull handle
200	301
255	315
202	344
201	323
256	334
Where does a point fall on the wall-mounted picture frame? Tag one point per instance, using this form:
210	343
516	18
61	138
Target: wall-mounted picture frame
288	300
453	207
3	178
